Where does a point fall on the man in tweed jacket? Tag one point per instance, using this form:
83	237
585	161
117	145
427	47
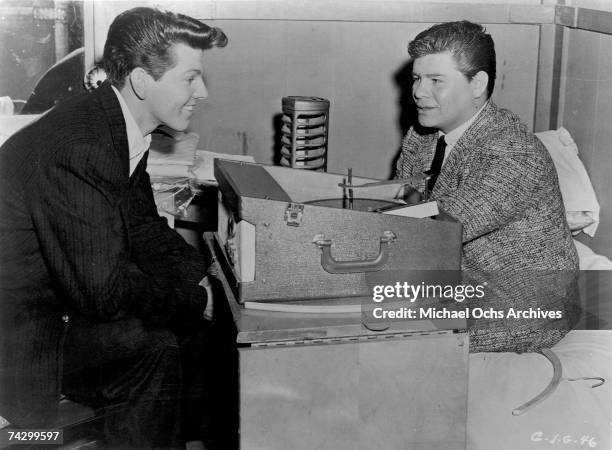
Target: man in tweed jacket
497	180
99	297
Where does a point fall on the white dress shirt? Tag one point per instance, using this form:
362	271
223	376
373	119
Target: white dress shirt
137	143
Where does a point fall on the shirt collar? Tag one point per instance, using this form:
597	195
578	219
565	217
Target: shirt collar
453	136
137	143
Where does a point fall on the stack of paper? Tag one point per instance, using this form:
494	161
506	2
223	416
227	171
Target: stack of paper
175	155
203	169
172	155
419	211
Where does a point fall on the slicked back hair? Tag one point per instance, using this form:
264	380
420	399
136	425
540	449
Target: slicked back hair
142	37
471	47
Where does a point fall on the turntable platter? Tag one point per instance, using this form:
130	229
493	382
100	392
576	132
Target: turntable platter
359	204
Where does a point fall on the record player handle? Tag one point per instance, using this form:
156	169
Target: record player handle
331	265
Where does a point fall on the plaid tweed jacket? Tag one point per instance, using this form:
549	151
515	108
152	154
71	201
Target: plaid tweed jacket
500	183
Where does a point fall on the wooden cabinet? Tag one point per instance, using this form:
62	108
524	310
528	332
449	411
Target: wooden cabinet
325	381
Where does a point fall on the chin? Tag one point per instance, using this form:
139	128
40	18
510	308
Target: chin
178	126
427	123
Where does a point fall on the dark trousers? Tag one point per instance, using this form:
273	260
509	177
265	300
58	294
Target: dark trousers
151	383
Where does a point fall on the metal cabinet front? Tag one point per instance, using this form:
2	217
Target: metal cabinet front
402	391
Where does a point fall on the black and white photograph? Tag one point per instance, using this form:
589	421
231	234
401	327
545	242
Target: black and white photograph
306	224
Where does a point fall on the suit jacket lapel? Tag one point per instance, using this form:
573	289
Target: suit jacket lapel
425	145
462	151
116	122
141	167
479	128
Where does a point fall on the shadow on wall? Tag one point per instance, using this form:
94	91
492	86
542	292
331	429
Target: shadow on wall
277	125
408	114
407	117
226	140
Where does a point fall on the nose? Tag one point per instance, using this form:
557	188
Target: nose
418	89
200	91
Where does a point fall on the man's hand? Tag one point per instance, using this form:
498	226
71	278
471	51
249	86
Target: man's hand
411	195
208	311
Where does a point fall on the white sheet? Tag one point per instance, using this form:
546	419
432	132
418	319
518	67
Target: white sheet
576	188
589	260
575	416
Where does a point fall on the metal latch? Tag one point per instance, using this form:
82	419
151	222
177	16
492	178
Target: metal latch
293	214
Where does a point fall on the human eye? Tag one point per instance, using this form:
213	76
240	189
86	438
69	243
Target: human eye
191	77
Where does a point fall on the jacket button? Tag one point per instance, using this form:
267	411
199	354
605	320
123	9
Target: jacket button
66	318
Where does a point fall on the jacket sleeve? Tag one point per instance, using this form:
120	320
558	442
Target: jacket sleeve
161	252
498	186
78	214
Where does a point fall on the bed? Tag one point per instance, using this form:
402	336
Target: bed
578	412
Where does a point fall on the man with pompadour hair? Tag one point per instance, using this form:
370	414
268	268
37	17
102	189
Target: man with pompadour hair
488	172
100	298
472	48
141	37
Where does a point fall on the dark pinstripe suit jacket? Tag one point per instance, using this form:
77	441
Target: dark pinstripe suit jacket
79	236
500	183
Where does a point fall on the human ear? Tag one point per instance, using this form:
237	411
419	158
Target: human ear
479	84
138	78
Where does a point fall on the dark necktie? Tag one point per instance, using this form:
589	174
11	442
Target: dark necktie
436	164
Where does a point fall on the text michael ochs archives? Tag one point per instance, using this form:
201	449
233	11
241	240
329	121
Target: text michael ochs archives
404	291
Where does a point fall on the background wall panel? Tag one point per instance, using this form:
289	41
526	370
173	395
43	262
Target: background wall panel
586	114
359	67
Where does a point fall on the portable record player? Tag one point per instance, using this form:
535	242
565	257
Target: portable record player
291	234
